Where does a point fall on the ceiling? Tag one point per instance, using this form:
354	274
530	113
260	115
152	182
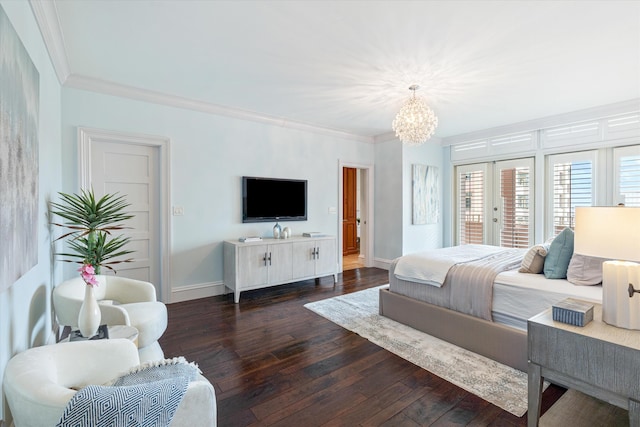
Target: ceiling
347	65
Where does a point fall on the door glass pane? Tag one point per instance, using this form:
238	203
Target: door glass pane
572	186
514	192
629	179
471	207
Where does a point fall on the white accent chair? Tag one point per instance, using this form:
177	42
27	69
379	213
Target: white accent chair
122	301
39	382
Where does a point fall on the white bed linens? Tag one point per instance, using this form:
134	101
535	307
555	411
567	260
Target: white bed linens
516	296
520	296
471	283
431	267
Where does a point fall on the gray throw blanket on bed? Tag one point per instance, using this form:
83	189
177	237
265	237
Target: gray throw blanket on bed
471	283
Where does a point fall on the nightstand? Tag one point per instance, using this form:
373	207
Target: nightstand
600	360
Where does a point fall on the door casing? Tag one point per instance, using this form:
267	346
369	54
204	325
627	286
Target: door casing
366	211
88	136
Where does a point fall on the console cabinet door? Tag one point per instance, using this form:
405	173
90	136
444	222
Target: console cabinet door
253	268
280	265
304	263
326	257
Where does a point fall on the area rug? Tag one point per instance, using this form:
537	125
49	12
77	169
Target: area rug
494	382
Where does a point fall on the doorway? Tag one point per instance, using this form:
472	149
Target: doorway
135	166
355	221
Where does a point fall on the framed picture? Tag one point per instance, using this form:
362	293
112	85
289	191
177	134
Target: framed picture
19	106
426	194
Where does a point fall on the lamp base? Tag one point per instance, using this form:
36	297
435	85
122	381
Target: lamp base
618	309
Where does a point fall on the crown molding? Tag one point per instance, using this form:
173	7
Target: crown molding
46	16
115	89
384	137
548	122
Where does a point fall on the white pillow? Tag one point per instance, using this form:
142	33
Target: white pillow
533	261
585	270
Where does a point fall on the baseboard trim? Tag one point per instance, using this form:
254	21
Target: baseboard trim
200	290
382	263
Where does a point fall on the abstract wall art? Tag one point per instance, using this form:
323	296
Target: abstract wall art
426	195
19	111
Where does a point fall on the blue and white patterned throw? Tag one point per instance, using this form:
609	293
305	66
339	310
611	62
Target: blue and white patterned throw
145	397
150	404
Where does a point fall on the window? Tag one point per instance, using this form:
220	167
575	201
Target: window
471	205
627	175
571	182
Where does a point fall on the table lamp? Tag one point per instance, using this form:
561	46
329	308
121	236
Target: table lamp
613	233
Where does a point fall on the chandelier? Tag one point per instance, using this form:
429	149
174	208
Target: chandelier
415	122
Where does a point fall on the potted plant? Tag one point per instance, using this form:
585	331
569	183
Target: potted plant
90	224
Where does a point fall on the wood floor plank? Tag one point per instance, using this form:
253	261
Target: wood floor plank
273	362
312	386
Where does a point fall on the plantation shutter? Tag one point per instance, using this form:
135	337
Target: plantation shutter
572	184
471	204
627	182
516	195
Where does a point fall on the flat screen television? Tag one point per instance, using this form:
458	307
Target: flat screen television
273	199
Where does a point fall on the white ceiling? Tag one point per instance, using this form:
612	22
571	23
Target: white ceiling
347	65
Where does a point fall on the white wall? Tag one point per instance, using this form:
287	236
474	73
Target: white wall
416	238
209	155
448	186
25	307
388	202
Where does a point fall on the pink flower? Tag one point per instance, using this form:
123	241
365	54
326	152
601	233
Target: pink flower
88	274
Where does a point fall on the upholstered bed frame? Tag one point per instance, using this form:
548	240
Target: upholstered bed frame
493	340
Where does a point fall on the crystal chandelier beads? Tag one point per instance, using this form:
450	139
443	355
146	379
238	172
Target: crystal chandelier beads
415	122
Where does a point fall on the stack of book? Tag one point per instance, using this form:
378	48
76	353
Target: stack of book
313	234
250	239
103	333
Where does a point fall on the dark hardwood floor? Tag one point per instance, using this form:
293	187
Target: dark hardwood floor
275	363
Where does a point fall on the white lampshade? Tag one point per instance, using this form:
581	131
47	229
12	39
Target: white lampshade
608	232
613	233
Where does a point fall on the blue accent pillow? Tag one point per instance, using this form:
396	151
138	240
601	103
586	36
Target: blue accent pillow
557	260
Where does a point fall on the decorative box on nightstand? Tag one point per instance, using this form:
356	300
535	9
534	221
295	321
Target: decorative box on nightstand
573	312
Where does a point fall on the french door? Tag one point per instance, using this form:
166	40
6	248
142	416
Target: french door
494	203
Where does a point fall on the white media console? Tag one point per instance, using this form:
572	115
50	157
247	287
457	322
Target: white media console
271	262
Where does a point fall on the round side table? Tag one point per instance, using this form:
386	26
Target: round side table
115	331
123	331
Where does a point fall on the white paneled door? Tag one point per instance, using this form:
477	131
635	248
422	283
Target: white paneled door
118	165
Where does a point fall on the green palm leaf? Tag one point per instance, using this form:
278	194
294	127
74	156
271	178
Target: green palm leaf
90	224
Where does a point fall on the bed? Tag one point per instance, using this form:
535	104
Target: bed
488	319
